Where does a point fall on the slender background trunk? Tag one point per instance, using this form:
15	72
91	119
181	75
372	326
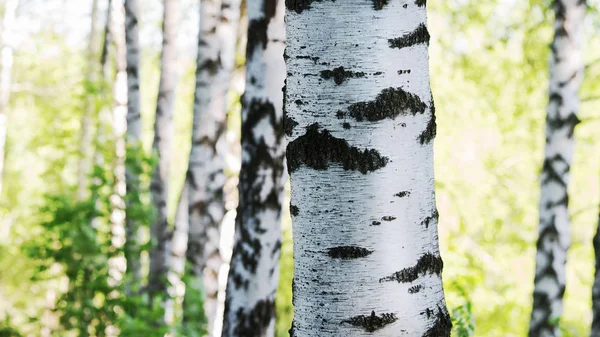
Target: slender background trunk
133	138
87	132
7	54
566	75
254	268
205	177
163	129
360	157
596	286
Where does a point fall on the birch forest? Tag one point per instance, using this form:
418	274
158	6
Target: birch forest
301	168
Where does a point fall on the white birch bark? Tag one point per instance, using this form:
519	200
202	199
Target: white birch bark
86	140
160	254
7	55
254	267
205	176
134	131
360	156
566	74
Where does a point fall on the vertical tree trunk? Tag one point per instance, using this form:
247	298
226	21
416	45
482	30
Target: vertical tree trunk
254	267
596	286
205	176
360	123
134	131
159	255
566	74
85	144
10	15
106	41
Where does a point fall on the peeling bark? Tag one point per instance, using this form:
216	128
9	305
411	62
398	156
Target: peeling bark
254	267
360	156
205	177
566	74
163	130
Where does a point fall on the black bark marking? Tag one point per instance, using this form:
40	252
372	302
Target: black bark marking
550	172
256	321
299	6
427	264
570	122
289	124
418	36
430	219
379	4
346	125
257	35
348	252
318	149
389	103
376	223
431	129
421	3
294	210
388	218
401	72
402	194
415	289
211	66
339	74
371	322
442	325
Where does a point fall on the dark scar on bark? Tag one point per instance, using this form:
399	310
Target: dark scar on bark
430	219
388	104
421	3
376	223
348	252
339	74
379	4
431	129
318	149
256	321
427	264
418	36
402	194
442	325
388	218
371	322
415	289
299	6
289	124
294	210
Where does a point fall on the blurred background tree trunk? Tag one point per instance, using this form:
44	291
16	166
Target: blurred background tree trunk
163	130
7	55
254	267
566	75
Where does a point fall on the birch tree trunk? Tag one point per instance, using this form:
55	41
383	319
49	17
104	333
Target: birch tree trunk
254	267
85	144
134	131
566	74
596	286
160	254
205	176
8	23
360	123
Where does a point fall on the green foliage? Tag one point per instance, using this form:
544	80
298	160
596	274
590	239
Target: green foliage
463	321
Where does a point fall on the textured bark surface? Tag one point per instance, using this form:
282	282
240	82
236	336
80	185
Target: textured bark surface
205	177
160	254
566	74
6	64
134	130
360	157
254	267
